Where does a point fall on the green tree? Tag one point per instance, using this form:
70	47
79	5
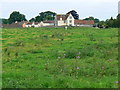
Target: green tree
38	19
118	20
5	21
32	20
16	16
74	14
92	18
47	15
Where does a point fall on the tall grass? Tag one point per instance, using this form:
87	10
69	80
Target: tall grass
57	58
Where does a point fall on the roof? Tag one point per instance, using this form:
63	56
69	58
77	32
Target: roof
13	25
50	21
88	22
63	16
29	23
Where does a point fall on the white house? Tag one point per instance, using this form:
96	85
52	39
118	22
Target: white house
48	23
28	24
39	24
64	19
68	20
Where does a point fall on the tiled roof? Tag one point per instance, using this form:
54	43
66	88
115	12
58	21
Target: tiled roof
13	25
63	16
50	21
87	22
29	23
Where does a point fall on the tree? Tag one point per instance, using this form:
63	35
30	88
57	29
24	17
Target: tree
92	18
118	20
114	23
32	20
4	21
16	16
38	18
74	14
118	16
47	15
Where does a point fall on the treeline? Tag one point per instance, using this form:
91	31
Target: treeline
114	23
17	16
43	16
49	15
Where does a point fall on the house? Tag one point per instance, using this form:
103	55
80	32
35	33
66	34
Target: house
68	20
39	24
32	24
64	20
15	25
47	23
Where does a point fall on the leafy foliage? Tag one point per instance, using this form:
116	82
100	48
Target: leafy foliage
114	23
74	14
92	18
47	15
16	16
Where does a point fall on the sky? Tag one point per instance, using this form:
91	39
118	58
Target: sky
101	9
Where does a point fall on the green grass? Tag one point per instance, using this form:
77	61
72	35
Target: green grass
57	58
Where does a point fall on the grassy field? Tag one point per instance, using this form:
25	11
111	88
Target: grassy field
59	58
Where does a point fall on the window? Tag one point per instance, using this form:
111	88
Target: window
70	21
70	17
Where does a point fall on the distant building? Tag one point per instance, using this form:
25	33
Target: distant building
64	20
60	20
86	23
68	20
14	25
39	24
48	23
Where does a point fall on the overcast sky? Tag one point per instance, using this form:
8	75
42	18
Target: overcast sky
101	9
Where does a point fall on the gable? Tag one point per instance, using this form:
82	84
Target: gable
63	16
69	15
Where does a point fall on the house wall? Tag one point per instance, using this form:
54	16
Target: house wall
70	20
24	25
48	24
36	25
28	25
61	23
84	25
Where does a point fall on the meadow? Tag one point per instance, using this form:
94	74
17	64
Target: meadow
78	57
